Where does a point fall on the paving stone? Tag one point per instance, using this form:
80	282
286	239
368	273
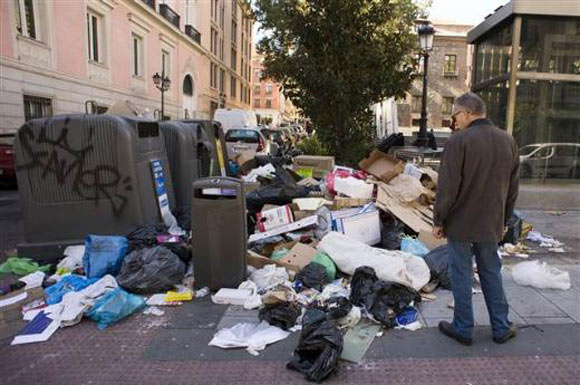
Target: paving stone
529	303
548	320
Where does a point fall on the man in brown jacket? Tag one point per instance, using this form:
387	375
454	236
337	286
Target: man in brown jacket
476	193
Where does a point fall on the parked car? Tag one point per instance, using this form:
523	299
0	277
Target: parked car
235	117
550	160
242	139
7	165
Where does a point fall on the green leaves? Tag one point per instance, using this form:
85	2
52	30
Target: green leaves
335	58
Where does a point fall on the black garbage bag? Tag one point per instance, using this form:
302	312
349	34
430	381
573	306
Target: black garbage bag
378	296
146	236
151	270
438	262
393	140
282	315
389	296
319	347
311	276
361	285
338	307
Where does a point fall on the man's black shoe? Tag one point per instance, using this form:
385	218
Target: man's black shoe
512	332
447	329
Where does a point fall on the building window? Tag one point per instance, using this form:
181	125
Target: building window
445	123
450	66
416	122
25	18
256	88
214	41
222	80
416	103
137	55
235	9
233	86
36	107
222	15
234	32
95	38
213	75
268	89
214	9
166	62
447	105
221	48
256	103
268	103
234	58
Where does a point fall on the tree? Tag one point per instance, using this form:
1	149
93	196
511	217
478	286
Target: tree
335	58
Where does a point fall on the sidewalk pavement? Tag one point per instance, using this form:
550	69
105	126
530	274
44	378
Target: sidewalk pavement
173	348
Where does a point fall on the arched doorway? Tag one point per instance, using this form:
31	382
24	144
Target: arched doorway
188	97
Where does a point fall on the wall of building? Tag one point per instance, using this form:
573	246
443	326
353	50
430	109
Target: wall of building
449	39
55	64
271	104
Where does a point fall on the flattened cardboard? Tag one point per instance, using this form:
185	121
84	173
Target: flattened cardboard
383	166
320	165
309	221
430	241
417	220
244	157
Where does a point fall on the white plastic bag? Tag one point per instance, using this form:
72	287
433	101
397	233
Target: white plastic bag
348	254
540	275
251	336
269	276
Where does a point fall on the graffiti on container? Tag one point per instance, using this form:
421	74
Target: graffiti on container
58	158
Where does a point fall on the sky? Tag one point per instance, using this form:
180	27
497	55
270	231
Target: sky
463	11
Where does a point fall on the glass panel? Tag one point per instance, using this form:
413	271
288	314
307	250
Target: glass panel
30	22
244	136
550	45
547	129
495	96
95	38
493	53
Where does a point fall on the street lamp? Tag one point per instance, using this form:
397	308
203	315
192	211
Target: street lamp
425	32
162	83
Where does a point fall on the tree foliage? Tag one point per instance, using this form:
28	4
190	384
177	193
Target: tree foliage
335	58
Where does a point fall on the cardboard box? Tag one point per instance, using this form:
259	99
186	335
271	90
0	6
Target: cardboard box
226	296
340	202
299	256
273	218
244	157
320	164
383	166
364	227
430	241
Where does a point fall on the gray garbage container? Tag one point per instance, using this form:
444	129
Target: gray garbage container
88	174
219	160
219	236
189	150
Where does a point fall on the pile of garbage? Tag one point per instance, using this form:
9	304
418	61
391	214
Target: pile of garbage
335	253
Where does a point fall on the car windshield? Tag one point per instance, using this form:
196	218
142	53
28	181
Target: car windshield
244	136
527	150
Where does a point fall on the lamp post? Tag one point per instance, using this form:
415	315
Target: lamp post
425	32
162	83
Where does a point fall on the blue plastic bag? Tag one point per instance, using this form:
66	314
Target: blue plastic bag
67	284
104	255
407	316
414	246
114	306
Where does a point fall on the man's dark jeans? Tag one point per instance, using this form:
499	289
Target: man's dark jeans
489	269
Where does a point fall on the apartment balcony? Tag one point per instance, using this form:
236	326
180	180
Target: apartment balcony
169	14
193	33
150	3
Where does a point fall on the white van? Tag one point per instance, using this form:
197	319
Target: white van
234	117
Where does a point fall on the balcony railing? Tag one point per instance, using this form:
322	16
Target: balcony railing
169	14
150	3
193	33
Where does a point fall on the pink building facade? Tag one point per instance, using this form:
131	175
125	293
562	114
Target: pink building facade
56	55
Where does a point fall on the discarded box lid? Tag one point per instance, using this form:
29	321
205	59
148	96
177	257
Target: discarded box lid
231	296
309	221
383	166
325	163
299	256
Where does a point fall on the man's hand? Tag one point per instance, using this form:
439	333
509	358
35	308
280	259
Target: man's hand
438	232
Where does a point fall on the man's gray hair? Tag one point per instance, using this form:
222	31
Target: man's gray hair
472	103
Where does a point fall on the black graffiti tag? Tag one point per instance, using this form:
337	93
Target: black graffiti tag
65	163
